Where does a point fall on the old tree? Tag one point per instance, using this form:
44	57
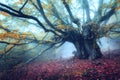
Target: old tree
81	22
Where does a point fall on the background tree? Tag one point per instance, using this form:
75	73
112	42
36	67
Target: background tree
78	22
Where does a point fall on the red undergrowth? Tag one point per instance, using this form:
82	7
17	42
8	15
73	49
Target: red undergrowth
72	69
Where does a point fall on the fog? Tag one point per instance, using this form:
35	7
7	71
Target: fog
106	44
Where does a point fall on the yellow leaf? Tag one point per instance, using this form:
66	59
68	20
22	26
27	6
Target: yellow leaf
19	2
1	51
68	1
117	8
118	1
9	47
47	6
61	26
4	13
9	35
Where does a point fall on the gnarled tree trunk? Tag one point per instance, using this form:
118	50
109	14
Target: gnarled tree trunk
87	50
86	44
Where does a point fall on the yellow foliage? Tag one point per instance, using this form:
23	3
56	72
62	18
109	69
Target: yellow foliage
24	36
28	10
4	13
47	6
19	2
13	35
9	35
118	1
68	1
61	26
49	13
1	51
117	8
9	47
0	23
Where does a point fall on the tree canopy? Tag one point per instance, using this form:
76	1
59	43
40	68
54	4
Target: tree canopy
53	22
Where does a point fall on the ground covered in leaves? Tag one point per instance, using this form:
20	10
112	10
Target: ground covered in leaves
107	68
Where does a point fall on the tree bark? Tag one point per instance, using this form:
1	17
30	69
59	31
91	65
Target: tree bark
87	49
86	46
81	52
92	49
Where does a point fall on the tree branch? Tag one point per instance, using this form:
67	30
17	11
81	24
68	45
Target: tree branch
10	43
98	14
5	29
104	30
16	13
108	14
23	5
46	19
76	21
87	9
56	13
68	9
35	57
7	7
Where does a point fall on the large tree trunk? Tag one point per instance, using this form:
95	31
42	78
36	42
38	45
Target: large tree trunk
81	52
87	50
86	45
92	49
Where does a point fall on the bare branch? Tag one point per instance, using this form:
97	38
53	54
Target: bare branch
56	13
68	9
46	19
76	21
87	9
35	57
108	14
98	14
5	29
60	44
103	31
116	31
7	7
23	5
11	47
34	5
10	43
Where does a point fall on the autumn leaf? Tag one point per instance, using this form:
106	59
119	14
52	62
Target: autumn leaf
47	6
117	8
9	35
19	2
68	1
1	51
118	1
4	13
9	47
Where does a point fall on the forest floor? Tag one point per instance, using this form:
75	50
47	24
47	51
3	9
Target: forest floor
106	68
